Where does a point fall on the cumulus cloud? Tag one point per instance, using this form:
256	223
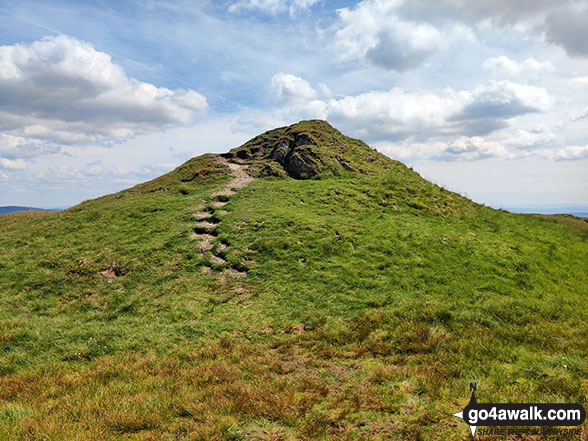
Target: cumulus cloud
567	28
505	66
60	90
98	173
514	144
442	124
476	147
374	30
286	87
12	147
13	164
580	115
499	11
396	113
560	22
463	148
498	100
533	139
568	153
272	6
402	34
399	113
404	46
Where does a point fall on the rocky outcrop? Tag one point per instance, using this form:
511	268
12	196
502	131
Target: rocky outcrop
280	152
297	157
306	150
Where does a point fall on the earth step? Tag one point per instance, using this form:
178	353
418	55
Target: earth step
231	273
207	270
206	241
202	214
224	192
217	260
206	224
218	203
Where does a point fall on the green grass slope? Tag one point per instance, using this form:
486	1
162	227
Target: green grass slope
372	299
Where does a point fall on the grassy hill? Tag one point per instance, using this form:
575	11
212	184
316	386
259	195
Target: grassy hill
338	296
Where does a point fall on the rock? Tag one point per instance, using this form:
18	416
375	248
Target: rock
280	152
296	157
272	169
303	139
300	165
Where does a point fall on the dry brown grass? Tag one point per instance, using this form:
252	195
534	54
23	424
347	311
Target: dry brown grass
230	389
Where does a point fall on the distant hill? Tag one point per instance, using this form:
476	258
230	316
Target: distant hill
574	210
301	286
14	208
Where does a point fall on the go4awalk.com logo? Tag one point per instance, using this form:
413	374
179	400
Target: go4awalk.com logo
546	415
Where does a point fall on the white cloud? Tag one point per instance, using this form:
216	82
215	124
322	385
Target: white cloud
60	90
285	87
504	92
580	115
399	113
505	99
581	80
509	144
505	66
402	34
568	153
476	147
325	90
19	147
402	45
13	164
463	148
98	173
441	123
272	6
254	121
409	148
374	30
532	139
396	112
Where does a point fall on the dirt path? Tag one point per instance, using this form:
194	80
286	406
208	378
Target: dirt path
204	231
242	178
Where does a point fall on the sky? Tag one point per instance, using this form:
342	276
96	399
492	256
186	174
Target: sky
488	98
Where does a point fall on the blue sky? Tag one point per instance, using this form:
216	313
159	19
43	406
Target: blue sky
488	98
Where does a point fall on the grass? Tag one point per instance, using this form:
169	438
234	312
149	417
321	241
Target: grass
372	300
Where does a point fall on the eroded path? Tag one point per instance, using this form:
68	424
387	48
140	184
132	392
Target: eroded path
208	216
242	178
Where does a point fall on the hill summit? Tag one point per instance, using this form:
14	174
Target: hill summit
305	150
301	286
